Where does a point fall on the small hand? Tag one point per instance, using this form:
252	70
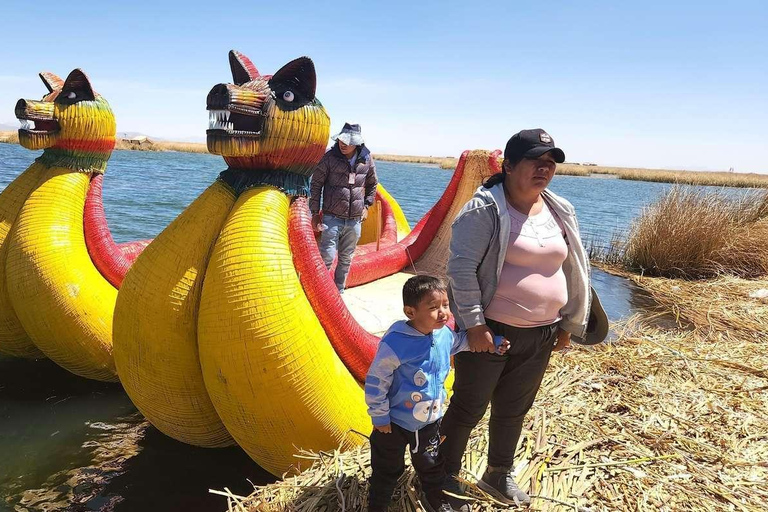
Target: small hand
503	346
365	213
563	343
316	220
384	429
480	339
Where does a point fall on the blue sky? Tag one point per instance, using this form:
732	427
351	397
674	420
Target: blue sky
676	84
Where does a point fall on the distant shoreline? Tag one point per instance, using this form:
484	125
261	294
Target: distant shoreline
702	178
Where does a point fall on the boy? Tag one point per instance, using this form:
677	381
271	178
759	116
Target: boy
405	391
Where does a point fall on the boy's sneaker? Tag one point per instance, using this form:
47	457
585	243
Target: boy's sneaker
498	482
436	501
457	503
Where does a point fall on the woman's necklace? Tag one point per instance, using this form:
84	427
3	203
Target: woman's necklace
526	210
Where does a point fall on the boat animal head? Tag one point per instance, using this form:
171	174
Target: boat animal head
71	119
266	122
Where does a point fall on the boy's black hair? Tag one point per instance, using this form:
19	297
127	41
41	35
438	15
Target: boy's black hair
417	287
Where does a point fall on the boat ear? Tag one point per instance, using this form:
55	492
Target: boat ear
243	69
298	75
52	82
77	87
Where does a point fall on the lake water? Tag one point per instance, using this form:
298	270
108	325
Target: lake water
67	443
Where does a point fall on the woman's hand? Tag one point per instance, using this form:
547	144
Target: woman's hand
480	339
384	429
563	343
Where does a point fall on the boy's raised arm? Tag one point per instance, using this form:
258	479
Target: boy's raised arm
461	343
377	384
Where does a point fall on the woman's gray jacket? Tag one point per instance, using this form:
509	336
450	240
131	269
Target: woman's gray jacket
480	231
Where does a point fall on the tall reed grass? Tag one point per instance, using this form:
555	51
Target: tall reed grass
184	147
9	137
693	234
444	162
716	179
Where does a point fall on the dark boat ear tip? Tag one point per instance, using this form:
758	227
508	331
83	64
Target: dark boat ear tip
77	80
299	73
242	68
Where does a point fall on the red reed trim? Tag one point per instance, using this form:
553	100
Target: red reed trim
353	344
88	146
111	260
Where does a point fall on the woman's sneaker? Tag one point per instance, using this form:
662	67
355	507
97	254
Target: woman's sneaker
498	482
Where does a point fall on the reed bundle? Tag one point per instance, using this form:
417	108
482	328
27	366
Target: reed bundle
695	234
660	419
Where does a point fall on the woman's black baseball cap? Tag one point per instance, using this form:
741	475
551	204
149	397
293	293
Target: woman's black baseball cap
532	144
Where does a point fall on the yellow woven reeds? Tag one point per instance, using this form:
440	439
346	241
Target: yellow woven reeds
13	339
86	121
61	299
403	228
477	169
155	326
369	231
270	371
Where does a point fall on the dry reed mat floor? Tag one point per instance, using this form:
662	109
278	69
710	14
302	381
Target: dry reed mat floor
661	419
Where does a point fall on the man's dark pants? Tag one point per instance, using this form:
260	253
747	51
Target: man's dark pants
508	382
387	463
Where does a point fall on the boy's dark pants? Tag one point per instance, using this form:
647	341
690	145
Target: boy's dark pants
509	382
387	452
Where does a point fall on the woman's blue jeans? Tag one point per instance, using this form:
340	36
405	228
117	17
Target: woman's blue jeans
339	238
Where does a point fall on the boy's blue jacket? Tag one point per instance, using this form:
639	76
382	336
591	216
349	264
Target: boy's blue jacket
405	383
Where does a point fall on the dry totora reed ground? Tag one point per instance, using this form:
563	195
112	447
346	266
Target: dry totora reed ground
660	419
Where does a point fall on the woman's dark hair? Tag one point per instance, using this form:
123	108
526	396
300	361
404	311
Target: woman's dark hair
417	287
499	176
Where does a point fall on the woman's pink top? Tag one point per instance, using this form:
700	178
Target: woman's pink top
532	286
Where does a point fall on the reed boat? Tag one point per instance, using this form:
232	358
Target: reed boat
228	327
59	265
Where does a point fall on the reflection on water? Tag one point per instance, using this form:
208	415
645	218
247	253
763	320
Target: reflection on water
69	443
622	298
72	444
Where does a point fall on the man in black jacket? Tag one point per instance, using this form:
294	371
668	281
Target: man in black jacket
346	179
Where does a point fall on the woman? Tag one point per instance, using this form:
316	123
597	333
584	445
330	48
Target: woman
518	269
